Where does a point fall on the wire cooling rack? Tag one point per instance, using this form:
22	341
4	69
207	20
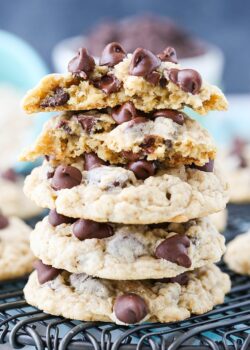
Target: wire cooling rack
226	327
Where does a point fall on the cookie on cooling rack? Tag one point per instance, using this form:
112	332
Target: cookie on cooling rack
237	255
125	302
16	258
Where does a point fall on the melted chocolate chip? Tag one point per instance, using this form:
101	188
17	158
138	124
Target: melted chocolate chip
59	98
91	161
4	221
87	229
137	120
87	122
176	116
130	156
124	113
188	80
148	143
82	64
108	84
143	62
50	174
182	279
9	175
168	55
56	219
142	169
174	249
66	176
112	54
130	308
64	124
208	167
45	273
153	78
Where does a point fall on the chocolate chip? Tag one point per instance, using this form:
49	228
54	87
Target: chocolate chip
176	116
9	175
59	98
87	229
189	80
50	174
130	156
208	167
142	169
45	273
168	55
82	64
87	122
4	221
124	113
56	219
91	161
108	84
153	78
137	120
148	143
66	176
130	308
174	249
112	54
143	62
182	279
64	124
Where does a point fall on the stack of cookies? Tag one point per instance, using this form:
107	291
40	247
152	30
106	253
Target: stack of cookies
129	179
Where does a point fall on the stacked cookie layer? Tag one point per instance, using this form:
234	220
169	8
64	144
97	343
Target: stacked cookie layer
129	179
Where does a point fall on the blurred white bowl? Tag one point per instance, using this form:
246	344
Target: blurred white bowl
209	64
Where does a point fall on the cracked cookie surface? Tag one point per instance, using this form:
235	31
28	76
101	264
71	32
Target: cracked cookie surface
114	194
130	253
70	135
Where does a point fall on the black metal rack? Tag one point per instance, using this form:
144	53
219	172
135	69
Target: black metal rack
226	327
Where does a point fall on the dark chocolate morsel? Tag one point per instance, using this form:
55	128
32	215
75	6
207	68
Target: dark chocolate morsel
189	80
124	113
130	308
9	175
137	120
66	176
56	219
45	273
153	78
142	169
64	124
130	156
182	279
59	98
108	84
82	64
168	55
4	221
112	54
175	249
176	116
143	62
208	167
87	122
87	229
91	160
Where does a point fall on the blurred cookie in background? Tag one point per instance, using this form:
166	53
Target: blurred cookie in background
219	220
16	259
15	128
237	255
236	163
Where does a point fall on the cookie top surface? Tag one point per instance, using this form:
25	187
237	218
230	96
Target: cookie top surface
116	135
116	194
91	299
237	255
16	258
149	81
126	252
